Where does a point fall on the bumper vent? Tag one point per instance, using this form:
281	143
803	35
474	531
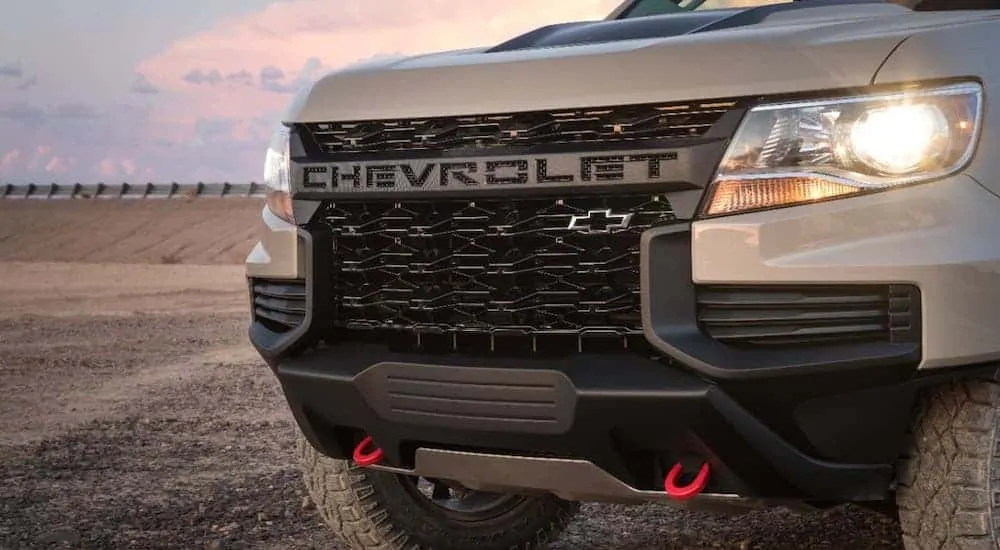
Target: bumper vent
279	304
492	274
513	400
629	125
807	314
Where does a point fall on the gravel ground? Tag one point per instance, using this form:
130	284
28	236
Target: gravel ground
144	420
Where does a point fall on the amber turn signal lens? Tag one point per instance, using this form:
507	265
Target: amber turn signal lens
280	203
732	196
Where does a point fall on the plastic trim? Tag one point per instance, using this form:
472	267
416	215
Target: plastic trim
669	315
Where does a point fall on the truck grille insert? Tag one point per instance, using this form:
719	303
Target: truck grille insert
630	125
495	274
279	304
809	314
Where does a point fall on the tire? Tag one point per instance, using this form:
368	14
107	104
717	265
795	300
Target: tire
948	491
375	510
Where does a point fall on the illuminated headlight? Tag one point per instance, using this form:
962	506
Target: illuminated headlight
276	175
793	153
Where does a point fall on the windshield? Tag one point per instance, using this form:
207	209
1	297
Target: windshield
643	8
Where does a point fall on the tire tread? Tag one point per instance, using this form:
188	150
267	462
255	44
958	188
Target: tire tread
945	477
350	504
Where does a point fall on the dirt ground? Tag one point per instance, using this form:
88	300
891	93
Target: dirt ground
160	231
133	413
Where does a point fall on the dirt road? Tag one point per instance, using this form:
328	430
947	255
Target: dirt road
134	415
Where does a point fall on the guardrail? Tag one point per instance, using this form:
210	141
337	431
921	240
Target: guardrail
129	190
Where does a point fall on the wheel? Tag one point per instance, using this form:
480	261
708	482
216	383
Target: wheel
948	491
371	510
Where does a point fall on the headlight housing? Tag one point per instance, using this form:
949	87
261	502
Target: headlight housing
797	152
277	176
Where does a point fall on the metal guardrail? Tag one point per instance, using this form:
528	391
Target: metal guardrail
129	190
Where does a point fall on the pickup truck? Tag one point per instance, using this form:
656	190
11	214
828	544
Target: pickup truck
713	254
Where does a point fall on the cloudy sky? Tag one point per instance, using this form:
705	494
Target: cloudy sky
188	90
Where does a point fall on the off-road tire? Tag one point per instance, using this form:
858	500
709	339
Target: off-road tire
371	510
948	491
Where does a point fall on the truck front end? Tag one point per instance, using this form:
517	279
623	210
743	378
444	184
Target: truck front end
617	261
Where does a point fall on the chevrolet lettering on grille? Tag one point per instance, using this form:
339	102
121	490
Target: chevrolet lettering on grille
526	171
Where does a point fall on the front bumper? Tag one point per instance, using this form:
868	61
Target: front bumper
814	423
632	425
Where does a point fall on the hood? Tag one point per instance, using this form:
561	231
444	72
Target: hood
706	55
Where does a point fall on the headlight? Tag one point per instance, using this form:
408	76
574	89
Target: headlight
276	175
793	153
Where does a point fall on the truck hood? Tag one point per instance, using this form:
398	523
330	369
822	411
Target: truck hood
695	56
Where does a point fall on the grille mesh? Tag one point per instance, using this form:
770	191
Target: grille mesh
497	267
624	124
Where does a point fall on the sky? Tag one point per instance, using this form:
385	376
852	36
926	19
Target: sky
189	90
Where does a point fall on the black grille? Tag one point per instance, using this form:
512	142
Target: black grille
806	314
279	304
493	273
629	125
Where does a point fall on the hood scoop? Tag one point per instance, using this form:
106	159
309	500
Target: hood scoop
677	24
657	26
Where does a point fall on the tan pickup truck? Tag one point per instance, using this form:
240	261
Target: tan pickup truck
719	255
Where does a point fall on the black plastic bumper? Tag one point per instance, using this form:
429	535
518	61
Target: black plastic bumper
621	413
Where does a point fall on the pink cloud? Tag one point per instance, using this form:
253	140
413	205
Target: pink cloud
40	157
10	160
107	168
127	166
42	160
111	167
58	165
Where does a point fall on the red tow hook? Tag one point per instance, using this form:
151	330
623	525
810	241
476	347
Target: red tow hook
689	491
362	457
